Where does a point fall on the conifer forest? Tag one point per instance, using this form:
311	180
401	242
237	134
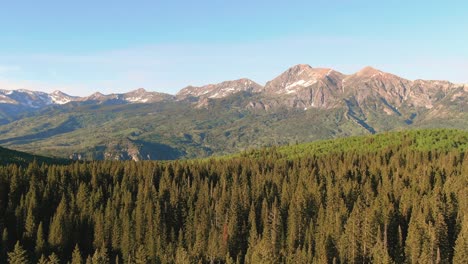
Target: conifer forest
398	197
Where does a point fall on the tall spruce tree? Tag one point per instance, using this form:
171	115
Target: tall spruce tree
76	256
18	255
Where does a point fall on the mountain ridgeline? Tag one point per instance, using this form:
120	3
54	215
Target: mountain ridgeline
387	198
302	104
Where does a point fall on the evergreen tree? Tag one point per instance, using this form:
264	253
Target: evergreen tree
4	245
182	256
100	256
461	245
30	225
18	255
141	257
59	226
40	240
42	260
76	256
364	200
53	259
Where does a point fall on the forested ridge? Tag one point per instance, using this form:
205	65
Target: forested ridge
392	198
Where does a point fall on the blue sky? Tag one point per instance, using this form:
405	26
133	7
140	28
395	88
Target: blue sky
116	46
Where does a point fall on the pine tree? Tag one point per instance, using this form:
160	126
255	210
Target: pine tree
181	256
4	245
42	260
141	257
40	240
59	226
30	225
18	255
100	256
53	259
76	256
461	245
379	251
414	240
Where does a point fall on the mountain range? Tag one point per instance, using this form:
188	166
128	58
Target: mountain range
301	104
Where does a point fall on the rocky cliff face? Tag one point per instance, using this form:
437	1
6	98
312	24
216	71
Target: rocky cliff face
305	87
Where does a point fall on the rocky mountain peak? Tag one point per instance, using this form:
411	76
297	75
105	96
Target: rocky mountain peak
143	96
139	90
369	71
97	94
219	90
301	86
57	92
299	77
299	68
59	97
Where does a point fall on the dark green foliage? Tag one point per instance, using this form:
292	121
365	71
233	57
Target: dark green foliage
391	198
8	156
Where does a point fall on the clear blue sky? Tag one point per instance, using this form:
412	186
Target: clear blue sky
116	46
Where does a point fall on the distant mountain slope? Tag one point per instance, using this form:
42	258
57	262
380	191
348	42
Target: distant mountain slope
15	104
300	105
219	90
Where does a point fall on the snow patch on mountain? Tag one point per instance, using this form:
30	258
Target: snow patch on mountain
136	99
219	90
300	83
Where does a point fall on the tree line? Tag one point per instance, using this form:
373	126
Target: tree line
395	204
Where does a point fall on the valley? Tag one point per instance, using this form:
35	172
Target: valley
300	105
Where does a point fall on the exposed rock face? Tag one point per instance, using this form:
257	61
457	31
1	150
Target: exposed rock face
371	83
132	97
301	86
33	99
219	90
305	87
425	93
143	96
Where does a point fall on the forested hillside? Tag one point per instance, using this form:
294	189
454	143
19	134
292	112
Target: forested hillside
8	156
391	198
